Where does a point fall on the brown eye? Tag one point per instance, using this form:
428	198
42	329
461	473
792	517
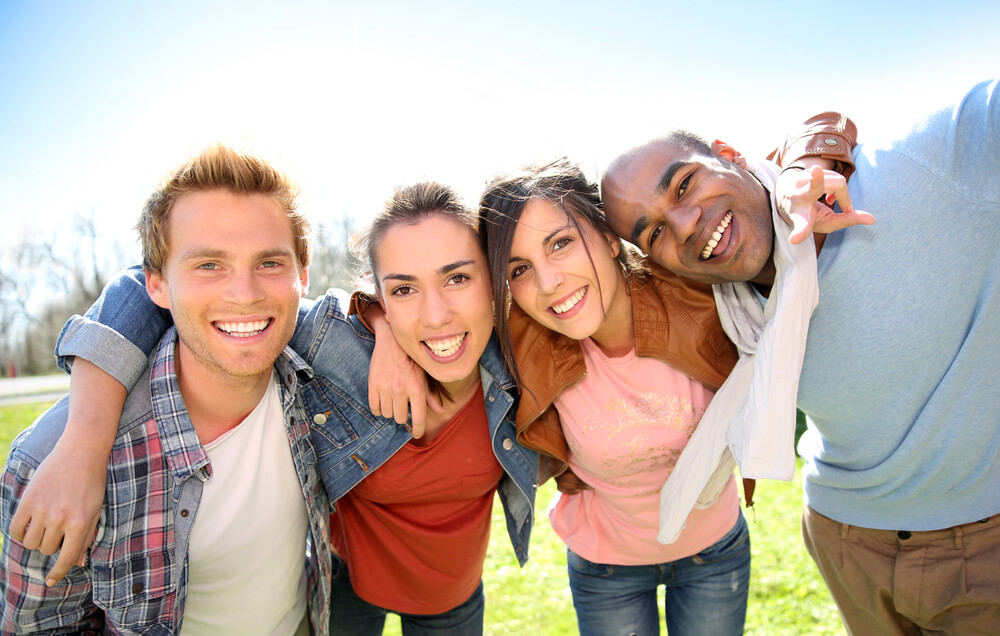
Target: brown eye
655	234
683	186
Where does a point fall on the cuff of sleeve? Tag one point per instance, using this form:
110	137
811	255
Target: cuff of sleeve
828	135
102	346
360	299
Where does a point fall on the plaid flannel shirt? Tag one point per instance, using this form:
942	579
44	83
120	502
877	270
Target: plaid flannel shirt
136	578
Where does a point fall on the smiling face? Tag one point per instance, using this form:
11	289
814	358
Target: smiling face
435	287
555	280
697	215
232	283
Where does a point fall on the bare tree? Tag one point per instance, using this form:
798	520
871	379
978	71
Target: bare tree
55	276
332	263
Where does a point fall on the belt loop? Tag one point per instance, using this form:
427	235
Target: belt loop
959	534
844	529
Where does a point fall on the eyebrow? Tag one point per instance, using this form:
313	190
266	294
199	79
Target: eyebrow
545	241
206	252
662	187
444	269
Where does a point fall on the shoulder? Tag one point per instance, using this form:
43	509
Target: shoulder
35	443
324	330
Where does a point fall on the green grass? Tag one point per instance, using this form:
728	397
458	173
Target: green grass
787	595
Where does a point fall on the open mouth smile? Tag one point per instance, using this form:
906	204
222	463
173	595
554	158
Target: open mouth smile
243	329
716	236
570	302
446	347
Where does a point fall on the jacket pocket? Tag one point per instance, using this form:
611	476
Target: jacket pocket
333	416
136	591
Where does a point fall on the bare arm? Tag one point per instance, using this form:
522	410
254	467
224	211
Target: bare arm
62	504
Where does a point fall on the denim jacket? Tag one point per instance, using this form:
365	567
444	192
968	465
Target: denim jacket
136	579
350	442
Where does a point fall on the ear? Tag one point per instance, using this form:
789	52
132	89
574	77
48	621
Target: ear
156	287
723	150
614	243
381	303
304	281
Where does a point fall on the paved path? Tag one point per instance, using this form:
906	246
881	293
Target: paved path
41	388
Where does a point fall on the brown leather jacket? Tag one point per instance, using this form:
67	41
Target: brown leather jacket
675	321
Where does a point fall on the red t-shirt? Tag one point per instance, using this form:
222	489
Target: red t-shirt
414	533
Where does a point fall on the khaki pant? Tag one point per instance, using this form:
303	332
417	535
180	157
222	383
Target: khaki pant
888	582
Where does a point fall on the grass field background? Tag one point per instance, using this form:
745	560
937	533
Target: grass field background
787	595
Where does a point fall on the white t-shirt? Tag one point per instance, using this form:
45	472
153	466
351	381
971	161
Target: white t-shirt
248	544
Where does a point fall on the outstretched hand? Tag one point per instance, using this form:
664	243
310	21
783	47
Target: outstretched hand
805	199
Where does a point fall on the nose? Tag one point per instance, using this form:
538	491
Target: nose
548	278
435	310
244	288
683	222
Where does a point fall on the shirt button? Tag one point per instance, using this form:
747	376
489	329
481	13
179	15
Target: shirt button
137	588
185	512
508	444
319	418
904	534
830	142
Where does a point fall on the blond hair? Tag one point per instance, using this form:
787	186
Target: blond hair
218	167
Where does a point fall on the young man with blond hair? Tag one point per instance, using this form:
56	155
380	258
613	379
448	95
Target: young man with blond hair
213	496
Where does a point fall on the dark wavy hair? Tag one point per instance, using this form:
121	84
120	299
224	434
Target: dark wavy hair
559	182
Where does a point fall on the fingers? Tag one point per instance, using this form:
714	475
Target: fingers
19	523
835	187
374	398
34	532
802	227
418	421
67	559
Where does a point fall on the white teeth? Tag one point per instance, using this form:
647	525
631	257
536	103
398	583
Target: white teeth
242	329
716	235
570	302
446	347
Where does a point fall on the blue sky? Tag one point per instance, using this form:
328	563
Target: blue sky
99	99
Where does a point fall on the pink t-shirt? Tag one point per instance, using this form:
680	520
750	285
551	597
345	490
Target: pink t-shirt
626	424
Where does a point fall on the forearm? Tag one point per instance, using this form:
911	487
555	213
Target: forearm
96	401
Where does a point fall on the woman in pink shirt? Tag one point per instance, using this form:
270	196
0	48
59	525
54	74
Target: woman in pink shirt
625	421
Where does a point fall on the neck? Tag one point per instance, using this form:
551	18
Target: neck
216	402
616	335
765	279
461	391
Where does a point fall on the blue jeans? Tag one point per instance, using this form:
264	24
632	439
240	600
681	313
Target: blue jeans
350	615
705	593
